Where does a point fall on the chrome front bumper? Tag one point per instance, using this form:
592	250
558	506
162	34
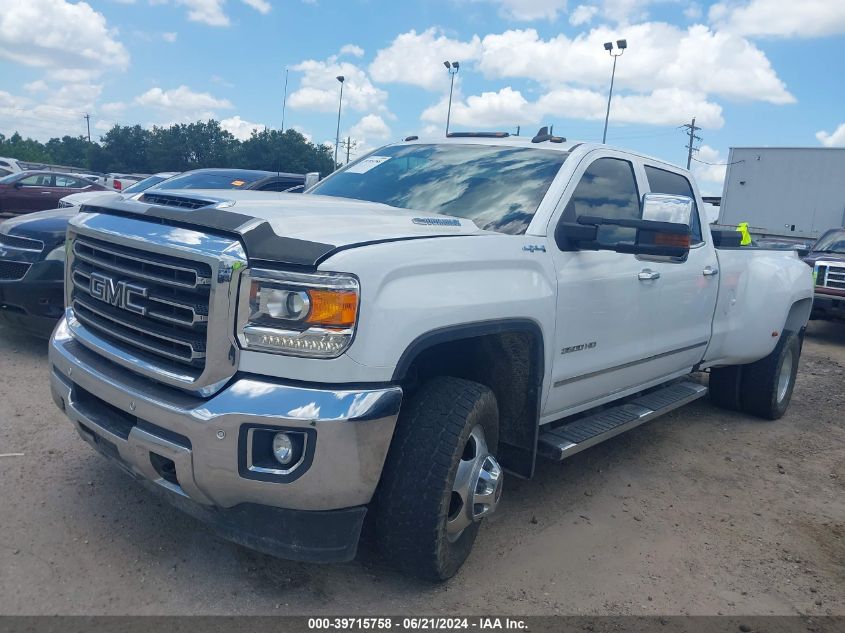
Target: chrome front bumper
140	423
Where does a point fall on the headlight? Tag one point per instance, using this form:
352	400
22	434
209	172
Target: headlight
64	205
299	314
57	254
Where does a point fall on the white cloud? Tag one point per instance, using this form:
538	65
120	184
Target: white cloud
661	56
710	177
169	36
835	139
583	14
352	49
182	104
319	88
262	6
239	128
59	113
113	108
693	11
508	108
206	11
71	40
529	10
780	18
371	127
36	86
417	58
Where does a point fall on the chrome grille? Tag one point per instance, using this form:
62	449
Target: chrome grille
830	276
169	311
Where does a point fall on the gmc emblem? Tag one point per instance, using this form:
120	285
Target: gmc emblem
120	294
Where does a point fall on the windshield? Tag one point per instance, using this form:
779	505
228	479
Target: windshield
831	243
498	188
218	179
144	184
6	180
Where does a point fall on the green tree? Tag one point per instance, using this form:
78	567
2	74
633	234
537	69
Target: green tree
283	151
68	150
125	149
23	149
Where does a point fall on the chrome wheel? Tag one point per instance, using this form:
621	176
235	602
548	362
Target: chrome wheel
477	487
785	376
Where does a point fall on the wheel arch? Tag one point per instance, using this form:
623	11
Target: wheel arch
798	315
505	355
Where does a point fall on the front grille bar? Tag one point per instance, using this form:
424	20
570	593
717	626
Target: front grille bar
82	281
80	246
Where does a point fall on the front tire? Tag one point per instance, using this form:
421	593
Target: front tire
767	385
440	478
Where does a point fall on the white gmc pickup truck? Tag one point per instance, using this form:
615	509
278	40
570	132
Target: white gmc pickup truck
389	343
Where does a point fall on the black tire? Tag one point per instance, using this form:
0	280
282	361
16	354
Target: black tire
725	387
415	492
763	393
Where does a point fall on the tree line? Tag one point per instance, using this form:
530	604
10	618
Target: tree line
179	147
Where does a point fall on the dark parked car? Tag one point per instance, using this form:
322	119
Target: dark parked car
40	190
32	247
252	179
827	257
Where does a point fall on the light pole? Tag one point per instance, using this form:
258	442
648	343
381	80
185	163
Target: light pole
340	78
452	69
608	46
285	101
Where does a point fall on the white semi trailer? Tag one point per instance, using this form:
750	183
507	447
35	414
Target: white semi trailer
794	192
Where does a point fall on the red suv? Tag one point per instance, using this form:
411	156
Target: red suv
39	190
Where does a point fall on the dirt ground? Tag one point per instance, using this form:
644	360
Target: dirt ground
700	512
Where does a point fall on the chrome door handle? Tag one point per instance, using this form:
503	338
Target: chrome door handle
648	274
709	271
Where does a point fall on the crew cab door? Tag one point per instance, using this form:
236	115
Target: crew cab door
606	302
687	286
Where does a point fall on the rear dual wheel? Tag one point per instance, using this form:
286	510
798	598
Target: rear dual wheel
763	388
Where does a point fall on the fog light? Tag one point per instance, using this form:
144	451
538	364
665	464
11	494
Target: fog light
282	448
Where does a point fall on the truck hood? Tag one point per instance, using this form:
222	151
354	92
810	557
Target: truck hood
291	228
47	226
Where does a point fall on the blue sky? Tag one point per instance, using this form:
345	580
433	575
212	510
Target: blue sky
753	72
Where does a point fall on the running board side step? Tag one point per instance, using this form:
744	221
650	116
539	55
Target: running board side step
564	441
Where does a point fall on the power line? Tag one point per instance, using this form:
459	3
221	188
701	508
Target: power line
718	164
691	130
348	144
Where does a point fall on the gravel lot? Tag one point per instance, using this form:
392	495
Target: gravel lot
700	512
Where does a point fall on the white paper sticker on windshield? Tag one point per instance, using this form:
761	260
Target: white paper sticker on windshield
367	164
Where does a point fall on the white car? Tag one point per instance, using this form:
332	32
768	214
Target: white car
77	199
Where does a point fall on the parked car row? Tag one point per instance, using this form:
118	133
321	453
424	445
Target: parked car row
32	246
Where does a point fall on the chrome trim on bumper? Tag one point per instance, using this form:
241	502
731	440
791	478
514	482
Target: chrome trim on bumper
353	431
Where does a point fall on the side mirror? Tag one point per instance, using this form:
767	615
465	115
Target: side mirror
311	179
663	207
18	184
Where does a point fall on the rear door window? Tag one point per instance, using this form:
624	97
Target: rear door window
663	181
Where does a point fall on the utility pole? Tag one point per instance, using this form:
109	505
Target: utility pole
87	118
691	132
349	144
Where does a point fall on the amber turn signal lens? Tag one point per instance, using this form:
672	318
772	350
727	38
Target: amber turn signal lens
332	308
672	239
